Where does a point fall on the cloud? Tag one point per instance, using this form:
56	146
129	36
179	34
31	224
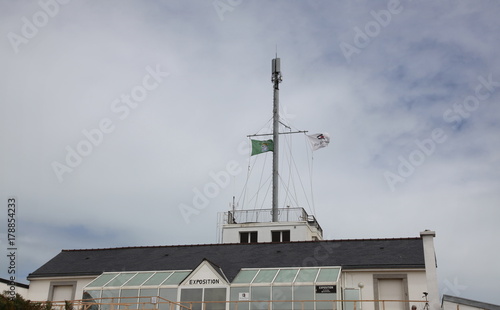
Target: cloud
409	80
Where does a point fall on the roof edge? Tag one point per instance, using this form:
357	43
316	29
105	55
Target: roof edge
469	302
65	274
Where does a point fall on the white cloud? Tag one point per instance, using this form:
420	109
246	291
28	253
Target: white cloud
392	93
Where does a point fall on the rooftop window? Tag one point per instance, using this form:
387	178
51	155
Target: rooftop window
288	275
138	279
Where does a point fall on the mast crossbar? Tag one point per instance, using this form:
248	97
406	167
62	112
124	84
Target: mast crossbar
280	133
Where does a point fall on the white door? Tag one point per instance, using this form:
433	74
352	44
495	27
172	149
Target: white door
391	289
62	292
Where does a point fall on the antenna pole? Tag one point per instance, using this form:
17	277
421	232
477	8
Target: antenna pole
276	79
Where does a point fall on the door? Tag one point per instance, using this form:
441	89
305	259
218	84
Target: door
391	289
62	292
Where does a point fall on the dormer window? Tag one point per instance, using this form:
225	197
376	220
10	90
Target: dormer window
248	237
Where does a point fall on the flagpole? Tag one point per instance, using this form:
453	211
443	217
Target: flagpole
276	79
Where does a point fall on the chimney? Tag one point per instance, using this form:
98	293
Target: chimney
431	268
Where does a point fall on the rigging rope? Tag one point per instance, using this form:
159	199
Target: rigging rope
290	187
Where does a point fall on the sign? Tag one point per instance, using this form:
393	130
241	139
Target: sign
204	281
243	296
324	289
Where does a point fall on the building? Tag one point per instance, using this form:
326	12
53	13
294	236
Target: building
458	303
13	287
289	273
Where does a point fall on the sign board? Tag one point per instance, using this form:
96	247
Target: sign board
320	289
203	281
243	296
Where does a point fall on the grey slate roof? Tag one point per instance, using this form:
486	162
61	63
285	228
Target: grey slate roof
348	254
470	303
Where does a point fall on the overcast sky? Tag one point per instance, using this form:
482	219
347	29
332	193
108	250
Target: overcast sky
115	115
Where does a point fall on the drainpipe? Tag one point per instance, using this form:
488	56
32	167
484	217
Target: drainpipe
431	268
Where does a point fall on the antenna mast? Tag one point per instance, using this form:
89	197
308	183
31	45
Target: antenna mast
276	79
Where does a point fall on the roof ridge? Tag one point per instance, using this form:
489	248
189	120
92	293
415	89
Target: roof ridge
242	244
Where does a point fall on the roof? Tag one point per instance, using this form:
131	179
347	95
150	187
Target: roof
348	254
470	303
8	282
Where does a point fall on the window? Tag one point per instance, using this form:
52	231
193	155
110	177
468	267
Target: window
236	295
280	236
248	237
260	293
354	295
192	297
301	293
282	296
133	287
245	276
215	294
301	288
265	276
296	276
286	275
129	296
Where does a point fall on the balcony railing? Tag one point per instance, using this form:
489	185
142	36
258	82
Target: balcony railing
266	216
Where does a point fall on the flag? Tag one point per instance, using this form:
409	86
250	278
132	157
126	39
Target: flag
262	146
319	140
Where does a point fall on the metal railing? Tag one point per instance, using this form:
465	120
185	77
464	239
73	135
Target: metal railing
156	302
266	215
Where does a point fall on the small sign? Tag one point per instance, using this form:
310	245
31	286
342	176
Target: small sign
324	289
243	296
203	281
154	300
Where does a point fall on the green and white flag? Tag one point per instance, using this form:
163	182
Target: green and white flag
262	146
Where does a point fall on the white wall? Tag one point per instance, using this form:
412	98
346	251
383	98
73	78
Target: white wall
40	288
416	280
299	231
19	290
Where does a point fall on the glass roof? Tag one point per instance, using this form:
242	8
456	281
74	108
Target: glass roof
135	279
288	275
245	276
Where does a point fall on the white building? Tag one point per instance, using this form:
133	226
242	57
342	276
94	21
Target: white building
248	271
12	287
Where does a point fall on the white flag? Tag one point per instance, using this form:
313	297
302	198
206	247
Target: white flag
319	140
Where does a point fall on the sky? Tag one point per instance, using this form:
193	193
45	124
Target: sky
125	123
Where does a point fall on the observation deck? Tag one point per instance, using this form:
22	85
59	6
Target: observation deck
302	226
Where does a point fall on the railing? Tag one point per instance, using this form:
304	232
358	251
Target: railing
266	215
334	304
157	302
115	303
